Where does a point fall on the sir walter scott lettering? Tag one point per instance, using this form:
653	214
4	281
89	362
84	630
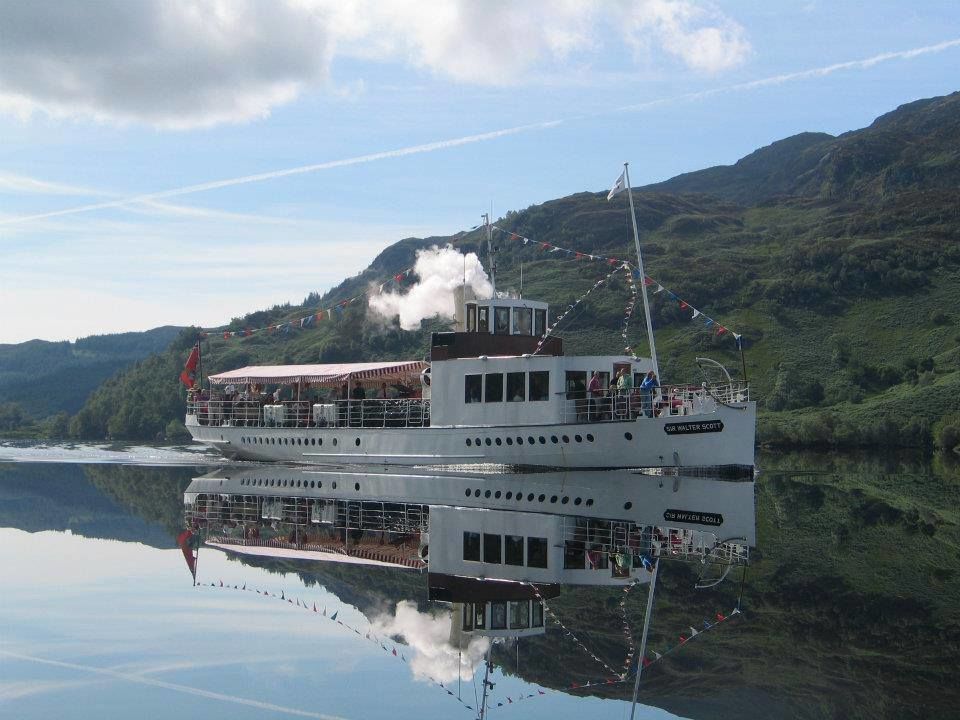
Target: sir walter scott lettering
688	428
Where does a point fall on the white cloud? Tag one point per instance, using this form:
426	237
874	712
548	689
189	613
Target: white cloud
180	64
699	35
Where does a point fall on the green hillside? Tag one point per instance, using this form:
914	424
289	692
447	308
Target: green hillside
39	379
835	257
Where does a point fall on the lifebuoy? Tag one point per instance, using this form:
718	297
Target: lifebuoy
425	376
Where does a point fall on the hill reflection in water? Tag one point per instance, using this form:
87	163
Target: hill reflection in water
849	609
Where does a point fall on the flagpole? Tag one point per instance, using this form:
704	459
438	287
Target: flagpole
643	276
643	639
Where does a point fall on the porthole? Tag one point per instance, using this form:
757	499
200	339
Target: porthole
299	441
319	483
357	442
627	505
543	440
509	441
469	442
542	497
498	441
334	442
509	495
284	483
628	436
311	484
334	484
320	442
468	492
497	494
565	500
553	498
488	441
487	494
271	483
577	501
298	483
589	437
313	441
260	441
356	486
476	493
578	438
554	439
589	502
566	438
519	440
530	497
477	442
531	440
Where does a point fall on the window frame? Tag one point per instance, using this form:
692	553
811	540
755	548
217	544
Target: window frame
546	389
534	552
471	537
492	538
468	398
487	389
522	387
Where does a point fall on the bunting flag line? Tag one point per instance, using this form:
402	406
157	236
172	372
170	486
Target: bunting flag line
716	328
684	637
570	308
308	321
569	633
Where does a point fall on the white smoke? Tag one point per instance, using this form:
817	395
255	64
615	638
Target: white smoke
428	636
440	272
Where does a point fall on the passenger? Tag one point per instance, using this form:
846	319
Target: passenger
648	389
358	393
383	391
595	390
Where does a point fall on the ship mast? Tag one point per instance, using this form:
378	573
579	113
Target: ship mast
490	252
643	276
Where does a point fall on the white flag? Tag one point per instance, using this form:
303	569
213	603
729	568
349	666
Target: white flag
619	186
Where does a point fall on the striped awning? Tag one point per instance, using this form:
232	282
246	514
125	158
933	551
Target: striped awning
401	371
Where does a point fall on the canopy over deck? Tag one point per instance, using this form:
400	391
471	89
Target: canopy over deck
399	371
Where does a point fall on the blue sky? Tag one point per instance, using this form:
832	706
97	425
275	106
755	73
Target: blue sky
117	103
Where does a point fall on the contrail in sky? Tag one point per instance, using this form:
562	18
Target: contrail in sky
130	677
862	64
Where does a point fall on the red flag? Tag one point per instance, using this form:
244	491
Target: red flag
188	375
544	246
514	236
183	541
721	617
648	280
683	305
227	335
613	261
646	662
394	651
682	639
721	330
579	256
398	277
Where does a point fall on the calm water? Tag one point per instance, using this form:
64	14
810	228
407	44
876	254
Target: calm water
849	609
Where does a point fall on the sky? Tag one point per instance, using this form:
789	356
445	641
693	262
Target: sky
174	162
118	626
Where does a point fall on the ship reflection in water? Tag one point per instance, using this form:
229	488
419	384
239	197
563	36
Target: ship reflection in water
486	555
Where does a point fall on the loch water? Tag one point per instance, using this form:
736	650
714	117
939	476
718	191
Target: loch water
850	608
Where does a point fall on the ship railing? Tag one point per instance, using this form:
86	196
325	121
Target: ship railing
591	543
611	405
382	413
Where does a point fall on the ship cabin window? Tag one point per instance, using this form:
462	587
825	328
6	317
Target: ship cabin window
501	320
522	321
536	552
540	323
494	392
537	619
480	616
540	385
472	388
471	546
520	614
492	548
513	548
516	387
498	615
471	318
483	319
576	384
467	617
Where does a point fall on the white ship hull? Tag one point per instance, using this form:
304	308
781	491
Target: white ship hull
723	438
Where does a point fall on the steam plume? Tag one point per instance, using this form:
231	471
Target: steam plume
440	271
428	635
